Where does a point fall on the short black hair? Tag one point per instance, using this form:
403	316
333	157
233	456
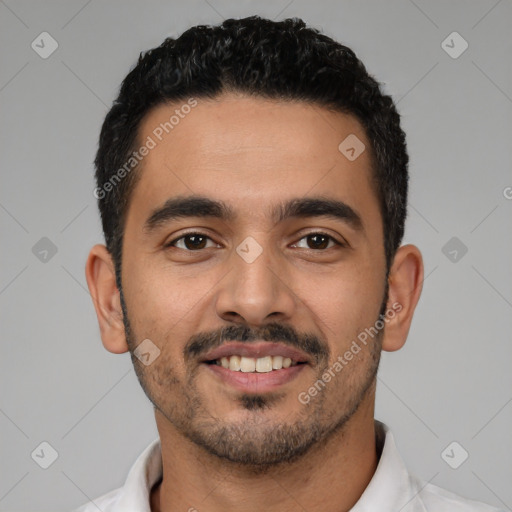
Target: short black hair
283	60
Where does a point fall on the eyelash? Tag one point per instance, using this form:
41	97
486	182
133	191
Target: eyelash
192	233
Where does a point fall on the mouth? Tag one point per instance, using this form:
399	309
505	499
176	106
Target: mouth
255	367
237	363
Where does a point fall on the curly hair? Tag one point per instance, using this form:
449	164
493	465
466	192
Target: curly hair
283	60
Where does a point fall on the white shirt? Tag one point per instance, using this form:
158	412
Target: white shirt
391	489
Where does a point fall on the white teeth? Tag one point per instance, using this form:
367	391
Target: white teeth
247	364
234	363
259	365
264	364
277	362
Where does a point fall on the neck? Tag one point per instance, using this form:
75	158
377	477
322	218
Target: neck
330	477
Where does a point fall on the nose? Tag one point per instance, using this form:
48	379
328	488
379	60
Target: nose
255	291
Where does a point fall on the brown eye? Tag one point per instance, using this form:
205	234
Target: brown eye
190	242
319	241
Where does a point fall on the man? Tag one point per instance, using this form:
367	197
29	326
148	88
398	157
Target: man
252	183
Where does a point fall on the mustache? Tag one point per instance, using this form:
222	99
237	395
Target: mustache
309	343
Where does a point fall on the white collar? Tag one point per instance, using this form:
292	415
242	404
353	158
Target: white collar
391	489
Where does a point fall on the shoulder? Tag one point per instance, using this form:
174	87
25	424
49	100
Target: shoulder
104	503
437	499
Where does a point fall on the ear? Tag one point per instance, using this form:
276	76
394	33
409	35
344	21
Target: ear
405	284
101	279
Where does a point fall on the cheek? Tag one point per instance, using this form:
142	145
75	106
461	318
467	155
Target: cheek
165	307
341	304
159	296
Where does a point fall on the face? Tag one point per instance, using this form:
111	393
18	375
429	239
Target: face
280	258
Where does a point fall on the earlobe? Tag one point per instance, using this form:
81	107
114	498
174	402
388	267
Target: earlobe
100	275
405	285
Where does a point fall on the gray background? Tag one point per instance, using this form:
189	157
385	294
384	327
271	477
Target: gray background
451	381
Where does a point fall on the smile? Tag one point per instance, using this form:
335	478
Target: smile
265	364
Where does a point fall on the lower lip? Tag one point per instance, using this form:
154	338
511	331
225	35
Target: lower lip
255	382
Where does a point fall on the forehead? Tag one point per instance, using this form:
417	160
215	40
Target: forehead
251	153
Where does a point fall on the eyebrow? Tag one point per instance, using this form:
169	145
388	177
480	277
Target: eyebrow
182	207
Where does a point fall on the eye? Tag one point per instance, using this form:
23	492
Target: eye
191	242
320	241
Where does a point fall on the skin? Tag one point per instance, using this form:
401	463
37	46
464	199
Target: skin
253	153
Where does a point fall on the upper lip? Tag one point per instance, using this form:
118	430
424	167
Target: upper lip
256	350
